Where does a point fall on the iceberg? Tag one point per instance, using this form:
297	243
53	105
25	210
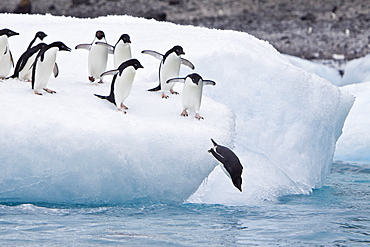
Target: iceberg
71	147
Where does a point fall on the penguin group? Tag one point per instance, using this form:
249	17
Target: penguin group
38	63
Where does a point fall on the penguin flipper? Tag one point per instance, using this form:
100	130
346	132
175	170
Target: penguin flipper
155	54
187	63
83	46
110	72
174	80
108	46
214	143
209	82
56	70
155	89
11	58
101	96
218	156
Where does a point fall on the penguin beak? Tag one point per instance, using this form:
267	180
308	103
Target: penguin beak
13	33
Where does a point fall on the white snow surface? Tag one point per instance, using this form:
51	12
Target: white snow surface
72	147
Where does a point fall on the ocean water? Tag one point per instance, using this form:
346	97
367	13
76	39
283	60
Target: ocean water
338	214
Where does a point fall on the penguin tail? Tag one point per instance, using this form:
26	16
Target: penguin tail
157	88
101	96
214	143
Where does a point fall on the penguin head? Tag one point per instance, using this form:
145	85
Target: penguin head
237	181
8	32
178	50
41	35
196	78
125	38
60	45
132	62
99	35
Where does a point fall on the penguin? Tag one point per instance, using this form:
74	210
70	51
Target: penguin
122	83
98	56
169	68
23	68
6	58
192	92
121	50
230	163
45	64
39	37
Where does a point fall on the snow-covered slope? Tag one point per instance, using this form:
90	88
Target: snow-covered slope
75	148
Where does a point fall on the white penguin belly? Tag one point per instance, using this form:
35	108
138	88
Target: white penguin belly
170	69
123	85
191	97
97	61
122	52
5	60
45	68
26	72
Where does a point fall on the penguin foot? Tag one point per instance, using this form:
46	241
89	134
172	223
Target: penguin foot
173	92
91	79
164	96
123	111
184	113
124	107
199	117
37	93
101	81
49	90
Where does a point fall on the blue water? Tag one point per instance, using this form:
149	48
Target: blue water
336	215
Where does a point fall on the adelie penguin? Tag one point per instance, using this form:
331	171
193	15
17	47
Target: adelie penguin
230	163
98	56
192	92
169	67
122	83
6	58
44	65
23	68
121	50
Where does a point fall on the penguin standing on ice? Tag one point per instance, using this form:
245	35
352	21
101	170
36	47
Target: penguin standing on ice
45	64
230	163
39	37
169	68
121	50
122	83
192	93
23	68
98	56
6	58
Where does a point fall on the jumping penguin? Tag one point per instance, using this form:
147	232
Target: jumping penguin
98	56
192	93
122	83
23	68
6	58
45	64
121	50
169	68
230	163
